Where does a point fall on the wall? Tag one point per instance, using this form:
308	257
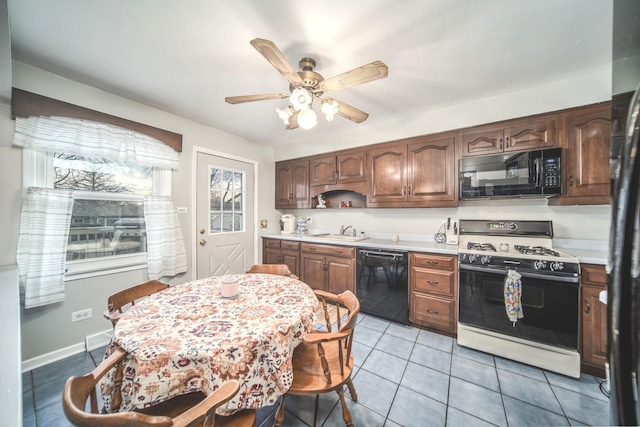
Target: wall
572	222
48	330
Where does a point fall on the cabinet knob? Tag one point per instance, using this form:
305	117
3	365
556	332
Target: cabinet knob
587	308
409	191
404	190
500	143
570	180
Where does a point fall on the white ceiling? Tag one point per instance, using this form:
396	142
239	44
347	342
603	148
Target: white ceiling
184	57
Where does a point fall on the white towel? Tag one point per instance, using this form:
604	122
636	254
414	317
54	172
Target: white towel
513	295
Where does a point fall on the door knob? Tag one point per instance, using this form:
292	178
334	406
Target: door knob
203	242
202	231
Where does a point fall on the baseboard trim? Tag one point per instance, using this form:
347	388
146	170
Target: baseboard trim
91	342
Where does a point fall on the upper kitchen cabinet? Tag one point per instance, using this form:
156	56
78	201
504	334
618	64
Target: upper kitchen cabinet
587	143
515	135
292	184
416	172
339	168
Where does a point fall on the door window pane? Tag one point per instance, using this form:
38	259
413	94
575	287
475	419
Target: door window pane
227	200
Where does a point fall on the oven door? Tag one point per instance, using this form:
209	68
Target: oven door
550	305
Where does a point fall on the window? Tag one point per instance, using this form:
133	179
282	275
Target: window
226	200
107	232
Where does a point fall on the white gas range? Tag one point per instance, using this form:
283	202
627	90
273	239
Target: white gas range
518	296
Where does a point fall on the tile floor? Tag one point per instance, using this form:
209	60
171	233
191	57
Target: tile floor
404	377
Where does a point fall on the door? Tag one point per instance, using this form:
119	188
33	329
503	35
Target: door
224	216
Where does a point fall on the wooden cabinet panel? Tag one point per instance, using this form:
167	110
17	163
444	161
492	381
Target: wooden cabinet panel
322	170
292	184
340	274
328	267
433	311
276	251
312	270
531	134
351	167
588	144
434	281
272	243
387	174
594	319
347	251
431	170
441	262
483	142
289	246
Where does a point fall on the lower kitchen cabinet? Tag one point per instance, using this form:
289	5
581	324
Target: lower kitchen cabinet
433	291
327	267
593	280
276	251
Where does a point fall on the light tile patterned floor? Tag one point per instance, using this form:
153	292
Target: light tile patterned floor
404	377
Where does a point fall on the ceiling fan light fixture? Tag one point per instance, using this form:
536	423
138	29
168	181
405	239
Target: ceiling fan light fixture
329	108
300	98
307	119
285	114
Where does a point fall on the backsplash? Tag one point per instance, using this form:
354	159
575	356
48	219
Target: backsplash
569	222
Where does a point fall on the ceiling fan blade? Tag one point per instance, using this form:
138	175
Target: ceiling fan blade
269	50
250	98
293	121
349	112
367	73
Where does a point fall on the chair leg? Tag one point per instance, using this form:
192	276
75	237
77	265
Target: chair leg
280	414
352	391
346	415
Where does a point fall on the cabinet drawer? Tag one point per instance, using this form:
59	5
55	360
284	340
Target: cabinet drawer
289	246
438	282
272	243
433	311
442	262
328	249
593	275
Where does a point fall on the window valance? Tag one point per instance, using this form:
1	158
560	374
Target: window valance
92	139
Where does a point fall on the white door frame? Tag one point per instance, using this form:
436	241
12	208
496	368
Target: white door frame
194	176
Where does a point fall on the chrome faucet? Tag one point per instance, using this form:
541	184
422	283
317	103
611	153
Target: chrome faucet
344	229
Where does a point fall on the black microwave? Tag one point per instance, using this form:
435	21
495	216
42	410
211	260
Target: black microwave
524	174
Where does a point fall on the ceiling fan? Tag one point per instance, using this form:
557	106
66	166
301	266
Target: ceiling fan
307	87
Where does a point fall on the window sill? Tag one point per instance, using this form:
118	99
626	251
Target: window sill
83	269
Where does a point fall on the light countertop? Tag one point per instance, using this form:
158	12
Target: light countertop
587	251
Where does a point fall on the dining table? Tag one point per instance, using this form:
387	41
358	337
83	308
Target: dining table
190	338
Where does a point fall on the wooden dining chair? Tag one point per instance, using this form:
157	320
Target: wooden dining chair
323	362
130	296
279	269
193	409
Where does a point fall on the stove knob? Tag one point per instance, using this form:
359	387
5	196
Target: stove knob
556	266
472	258
540	265
486	259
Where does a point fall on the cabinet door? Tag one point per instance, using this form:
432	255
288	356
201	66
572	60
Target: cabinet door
594	327
271	256
300	184
322	170
428	310
588	152
284	185
341	274
431	170
387	172
312	270
291	259
531	134
351	167
476	142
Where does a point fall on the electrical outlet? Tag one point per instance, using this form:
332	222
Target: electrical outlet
309	220
85	314
263	223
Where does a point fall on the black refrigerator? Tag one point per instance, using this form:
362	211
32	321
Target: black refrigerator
623	296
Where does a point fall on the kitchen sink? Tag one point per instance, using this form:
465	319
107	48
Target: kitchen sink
339	237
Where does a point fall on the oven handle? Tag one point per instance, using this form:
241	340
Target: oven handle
490	270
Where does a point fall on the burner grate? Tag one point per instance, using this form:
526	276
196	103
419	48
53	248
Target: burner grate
536	250
486	247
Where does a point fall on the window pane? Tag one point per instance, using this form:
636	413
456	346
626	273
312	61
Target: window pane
238	223
237	178
101	175
215	223
216	175
227	204
216	202
101	228
227	222
238	200
227	180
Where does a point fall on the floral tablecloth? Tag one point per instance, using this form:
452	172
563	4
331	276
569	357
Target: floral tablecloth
188	338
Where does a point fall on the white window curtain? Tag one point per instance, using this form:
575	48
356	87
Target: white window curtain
166	253
92	139
42	245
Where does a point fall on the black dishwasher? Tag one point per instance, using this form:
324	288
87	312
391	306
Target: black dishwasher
382	284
